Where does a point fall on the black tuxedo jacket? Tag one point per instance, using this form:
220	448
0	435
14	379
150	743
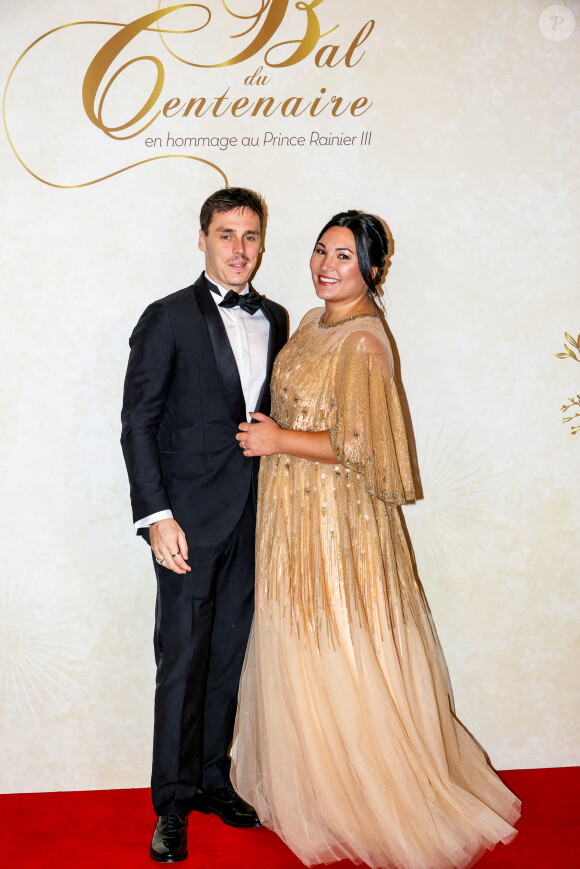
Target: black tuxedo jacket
182	405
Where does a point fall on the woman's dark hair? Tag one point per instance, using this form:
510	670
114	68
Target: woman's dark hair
230	199
371	243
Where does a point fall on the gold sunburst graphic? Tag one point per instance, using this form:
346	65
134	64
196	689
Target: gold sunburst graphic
454	517
43	640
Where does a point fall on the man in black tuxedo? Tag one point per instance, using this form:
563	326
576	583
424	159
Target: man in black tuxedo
200	362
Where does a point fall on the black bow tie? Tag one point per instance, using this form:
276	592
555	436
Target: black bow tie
249	302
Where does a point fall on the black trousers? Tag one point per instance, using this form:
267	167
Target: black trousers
202	624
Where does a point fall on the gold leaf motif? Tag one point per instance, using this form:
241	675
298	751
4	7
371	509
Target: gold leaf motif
569	353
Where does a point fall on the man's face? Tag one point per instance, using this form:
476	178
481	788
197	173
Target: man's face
232	246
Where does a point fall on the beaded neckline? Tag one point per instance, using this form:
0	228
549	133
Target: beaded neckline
346	320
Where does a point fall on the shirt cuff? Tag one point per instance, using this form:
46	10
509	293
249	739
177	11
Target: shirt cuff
154	517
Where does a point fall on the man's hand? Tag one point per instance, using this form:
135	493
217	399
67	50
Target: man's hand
169	545
259	438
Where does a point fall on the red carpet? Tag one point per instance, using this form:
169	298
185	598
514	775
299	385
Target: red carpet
81	830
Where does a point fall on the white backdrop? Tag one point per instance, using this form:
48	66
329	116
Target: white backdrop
472	161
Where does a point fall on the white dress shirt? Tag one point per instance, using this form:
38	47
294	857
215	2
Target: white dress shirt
248	335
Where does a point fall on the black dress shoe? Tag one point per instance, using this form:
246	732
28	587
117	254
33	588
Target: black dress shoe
169	843
227	805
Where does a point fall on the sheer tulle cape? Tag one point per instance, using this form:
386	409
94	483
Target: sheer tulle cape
346	742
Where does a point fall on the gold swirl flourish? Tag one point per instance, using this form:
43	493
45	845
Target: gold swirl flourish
255	15
111	174
275	13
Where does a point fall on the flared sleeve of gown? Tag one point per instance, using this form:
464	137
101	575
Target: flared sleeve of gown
368	435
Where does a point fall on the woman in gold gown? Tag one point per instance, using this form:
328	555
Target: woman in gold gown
345	740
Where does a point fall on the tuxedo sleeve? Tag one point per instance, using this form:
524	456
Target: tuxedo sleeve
281	316
147	381
284	328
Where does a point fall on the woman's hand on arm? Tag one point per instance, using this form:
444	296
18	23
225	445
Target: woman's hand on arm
265	437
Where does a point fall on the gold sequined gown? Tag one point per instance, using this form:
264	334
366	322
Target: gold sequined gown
345	739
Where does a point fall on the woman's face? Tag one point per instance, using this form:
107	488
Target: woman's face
334	266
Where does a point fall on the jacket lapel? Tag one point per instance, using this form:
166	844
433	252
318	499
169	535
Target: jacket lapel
224	356
263	405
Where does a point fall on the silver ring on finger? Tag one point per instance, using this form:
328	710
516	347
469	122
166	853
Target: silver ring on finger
159	560
174	554
243	445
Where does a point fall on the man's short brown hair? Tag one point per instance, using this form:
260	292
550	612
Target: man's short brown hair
230	199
